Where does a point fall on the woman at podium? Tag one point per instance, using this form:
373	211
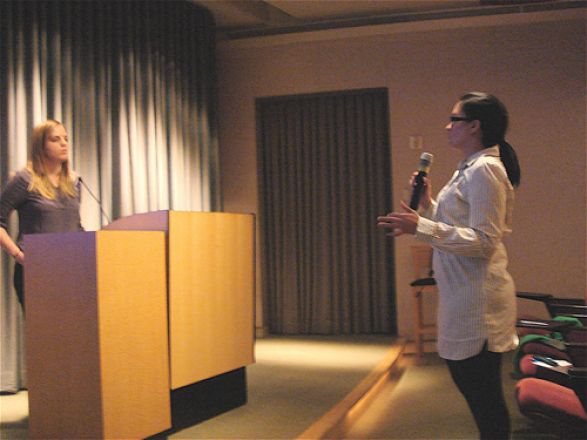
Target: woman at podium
46	195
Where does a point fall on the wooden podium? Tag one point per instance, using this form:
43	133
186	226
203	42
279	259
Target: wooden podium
197	337
96	335
211	289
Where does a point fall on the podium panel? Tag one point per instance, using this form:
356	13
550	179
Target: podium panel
211	294
97	349
211	261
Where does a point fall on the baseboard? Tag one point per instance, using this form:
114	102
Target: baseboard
203	400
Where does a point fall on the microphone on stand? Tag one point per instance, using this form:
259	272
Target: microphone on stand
423	170
96	199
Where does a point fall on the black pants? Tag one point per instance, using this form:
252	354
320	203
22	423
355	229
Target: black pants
478	378
19	283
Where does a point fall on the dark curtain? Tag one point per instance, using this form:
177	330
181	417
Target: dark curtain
324	165
134	84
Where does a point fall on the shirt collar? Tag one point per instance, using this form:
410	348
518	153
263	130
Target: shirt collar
491	151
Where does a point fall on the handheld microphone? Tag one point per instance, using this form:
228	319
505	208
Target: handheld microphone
95	198
424	169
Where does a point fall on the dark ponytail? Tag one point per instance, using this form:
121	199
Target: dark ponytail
509	158
493	117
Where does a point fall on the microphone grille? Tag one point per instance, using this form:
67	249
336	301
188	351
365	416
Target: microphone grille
426	158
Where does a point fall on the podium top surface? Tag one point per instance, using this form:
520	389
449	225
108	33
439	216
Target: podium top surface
160	220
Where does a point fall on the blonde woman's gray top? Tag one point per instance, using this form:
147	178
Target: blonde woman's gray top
37	214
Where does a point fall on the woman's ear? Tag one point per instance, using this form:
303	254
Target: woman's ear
475	126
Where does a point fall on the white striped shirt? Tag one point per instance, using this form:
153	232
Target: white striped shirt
465	227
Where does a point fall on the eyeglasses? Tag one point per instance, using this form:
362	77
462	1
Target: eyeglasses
459	118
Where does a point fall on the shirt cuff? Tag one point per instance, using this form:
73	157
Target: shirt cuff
426	230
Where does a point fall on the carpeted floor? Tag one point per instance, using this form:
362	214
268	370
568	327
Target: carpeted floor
293	383
298	379
425	404
14	413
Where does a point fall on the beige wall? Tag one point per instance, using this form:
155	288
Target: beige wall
534	62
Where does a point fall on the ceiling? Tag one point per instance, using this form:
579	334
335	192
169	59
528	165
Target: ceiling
250	18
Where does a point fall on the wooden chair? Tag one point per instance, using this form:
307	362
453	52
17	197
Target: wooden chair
423	283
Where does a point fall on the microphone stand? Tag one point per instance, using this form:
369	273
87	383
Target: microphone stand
96	199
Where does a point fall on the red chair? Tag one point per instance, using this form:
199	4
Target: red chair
569	347
560	408
553	353
557	306
550	301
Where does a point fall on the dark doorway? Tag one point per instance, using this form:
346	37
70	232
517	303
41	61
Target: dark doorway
324	177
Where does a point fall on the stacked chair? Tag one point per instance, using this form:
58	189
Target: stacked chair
551	363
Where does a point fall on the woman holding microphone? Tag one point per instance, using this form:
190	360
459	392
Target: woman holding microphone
465	227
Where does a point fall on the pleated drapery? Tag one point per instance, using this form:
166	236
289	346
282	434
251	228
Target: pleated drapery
324	178
134	84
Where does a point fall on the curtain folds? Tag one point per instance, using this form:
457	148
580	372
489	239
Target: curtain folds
324	178
134	84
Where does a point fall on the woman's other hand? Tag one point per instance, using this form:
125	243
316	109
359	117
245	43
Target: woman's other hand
19	257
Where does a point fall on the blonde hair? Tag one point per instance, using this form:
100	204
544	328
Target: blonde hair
36	166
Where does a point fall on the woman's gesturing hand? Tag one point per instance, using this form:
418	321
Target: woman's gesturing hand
399	223
19	257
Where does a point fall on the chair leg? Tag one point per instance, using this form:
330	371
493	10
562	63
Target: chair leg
418	323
